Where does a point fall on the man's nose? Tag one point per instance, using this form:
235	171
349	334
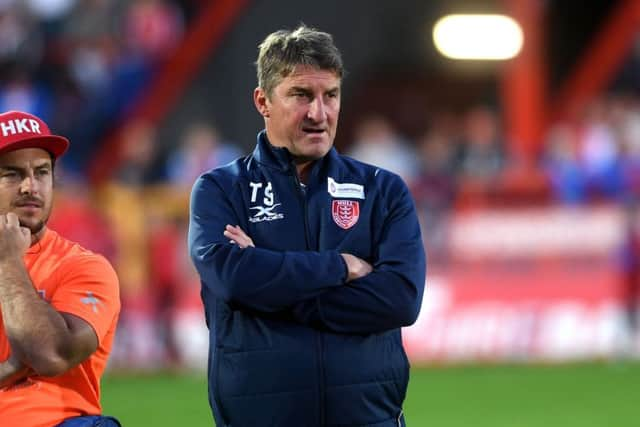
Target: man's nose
29	185
317	110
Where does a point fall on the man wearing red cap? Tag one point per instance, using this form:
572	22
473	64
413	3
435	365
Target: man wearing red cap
59	303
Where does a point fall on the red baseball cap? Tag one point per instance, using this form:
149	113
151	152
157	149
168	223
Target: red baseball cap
23	130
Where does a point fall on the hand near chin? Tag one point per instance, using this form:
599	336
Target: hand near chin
14	239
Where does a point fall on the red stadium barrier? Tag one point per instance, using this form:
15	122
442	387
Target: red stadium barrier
550	293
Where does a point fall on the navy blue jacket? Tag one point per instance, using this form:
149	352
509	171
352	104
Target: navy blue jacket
291	343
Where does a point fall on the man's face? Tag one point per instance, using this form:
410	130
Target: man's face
302	112
26	186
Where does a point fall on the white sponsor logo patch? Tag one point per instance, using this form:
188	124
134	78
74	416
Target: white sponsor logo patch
345	190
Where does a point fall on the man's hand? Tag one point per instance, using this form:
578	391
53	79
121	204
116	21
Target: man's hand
237	236
14	239
357	267
12	370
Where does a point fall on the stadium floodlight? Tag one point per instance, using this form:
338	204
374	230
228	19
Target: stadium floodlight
478	36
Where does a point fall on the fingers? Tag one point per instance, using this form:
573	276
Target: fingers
235	229
14	239
10	219
357	267
26	233
237	236
233	232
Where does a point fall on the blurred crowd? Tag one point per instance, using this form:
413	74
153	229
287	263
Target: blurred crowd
79	64
464	161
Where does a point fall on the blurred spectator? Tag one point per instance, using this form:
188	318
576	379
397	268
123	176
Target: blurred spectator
200	149
123	201
378	143
20	92
139	153
152	28
483	155
434	188
21	41
562	165
90	44
599	153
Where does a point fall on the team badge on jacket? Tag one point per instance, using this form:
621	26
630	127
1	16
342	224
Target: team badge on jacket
345	212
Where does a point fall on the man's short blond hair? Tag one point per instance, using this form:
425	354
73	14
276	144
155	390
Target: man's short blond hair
283	50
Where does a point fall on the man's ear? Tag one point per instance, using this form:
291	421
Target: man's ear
260	101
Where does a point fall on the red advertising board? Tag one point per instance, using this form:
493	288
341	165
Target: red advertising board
525	304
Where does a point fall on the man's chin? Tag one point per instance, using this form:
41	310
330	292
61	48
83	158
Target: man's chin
34	226
316	151
309	157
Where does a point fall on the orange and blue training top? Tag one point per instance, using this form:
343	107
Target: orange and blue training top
76	281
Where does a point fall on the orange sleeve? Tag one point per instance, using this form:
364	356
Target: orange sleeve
89	289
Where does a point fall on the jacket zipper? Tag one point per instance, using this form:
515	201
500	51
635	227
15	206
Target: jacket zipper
319	336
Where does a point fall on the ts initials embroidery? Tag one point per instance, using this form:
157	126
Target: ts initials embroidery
345	213
266	211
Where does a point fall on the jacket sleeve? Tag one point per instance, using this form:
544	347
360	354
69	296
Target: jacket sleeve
390	296
255	278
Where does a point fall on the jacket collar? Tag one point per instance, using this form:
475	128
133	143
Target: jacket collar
280	158
270	155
